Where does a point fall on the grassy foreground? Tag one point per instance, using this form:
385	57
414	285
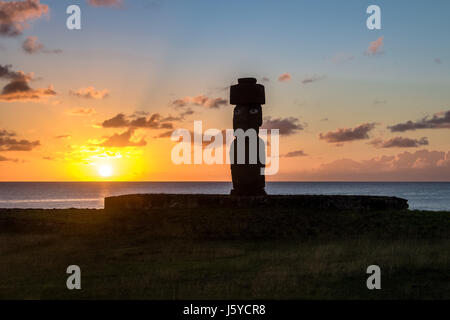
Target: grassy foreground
220	254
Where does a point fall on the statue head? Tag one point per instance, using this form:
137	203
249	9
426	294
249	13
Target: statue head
248	96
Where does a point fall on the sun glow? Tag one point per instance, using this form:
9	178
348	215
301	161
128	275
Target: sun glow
105	171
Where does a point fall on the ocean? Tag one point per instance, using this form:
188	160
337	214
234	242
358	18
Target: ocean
48	195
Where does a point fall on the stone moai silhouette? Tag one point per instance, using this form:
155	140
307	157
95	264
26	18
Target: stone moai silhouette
248	177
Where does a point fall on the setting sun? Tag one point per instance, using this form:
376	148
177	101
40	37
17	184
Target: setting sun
105	171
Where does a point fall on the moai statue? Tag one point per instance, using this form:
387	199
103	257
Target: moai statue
248	177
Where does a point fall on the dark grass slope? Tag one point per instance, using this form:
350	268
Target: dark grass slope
224	253
283	223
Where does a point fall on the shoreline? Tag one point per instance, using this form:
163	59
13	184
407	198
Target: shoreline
430	196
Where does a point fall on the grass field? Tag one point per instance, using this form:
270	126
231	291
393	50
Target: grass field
220	254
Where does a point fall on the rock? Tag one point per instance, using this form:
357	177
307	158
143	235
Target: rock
211	201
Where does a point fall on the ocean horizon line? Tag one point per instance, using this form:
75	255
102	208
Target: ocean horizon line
227	181
425	195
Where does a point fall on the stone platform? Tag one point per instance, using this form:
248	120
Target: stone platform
211	201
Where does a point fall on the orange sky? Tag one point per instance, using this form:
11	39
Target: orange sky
73	103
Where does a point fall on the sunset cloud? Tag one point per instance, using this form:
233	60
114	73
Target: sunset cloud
284	77
117	121
375	47
15	15
90	93
19	91
361	132
9	143
6	133
81	112
342	58
287	126
312	79
294	154
183	114
105	3
7	73
18	88
422	165
165	134
121	140
4	159
400	142
440	120
93	151
169	118
154	121
377	101
201	100
32	45
64	136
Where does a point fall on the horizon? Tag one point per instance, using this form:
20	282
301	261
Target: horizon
217	181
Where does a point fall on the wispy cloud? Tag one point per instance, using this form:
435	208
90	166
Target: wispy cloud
105	3
8	142
294	154
90	93
154	121
165	134
287	126
375	47
201	100
342	58
81	112
32	45
378	101
15	15
18	88
64	136
312	79
421	165
360	132
122	140
439	120
400	142
4	159
285	77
